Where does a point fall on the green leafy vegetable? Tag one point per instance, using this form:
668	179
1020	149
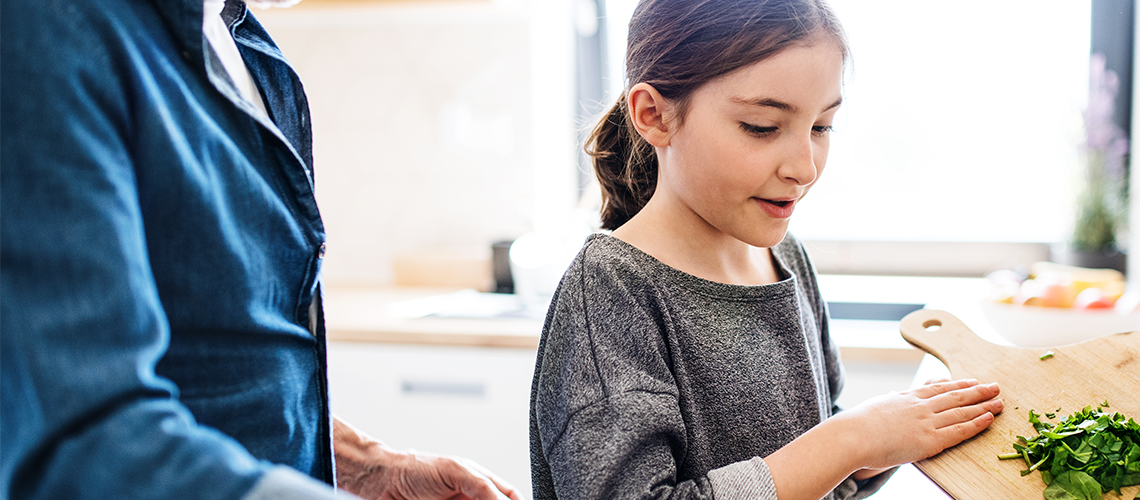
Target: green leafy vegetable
1074	485
1090	447
1047	355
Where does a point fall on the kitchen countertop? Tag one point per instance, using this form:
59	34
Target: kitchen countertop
434	316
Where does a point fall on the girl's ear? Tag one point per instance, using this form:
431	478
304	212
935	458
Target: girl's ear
648	108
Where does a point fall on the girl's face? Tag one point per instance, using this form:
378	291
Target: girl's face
753	142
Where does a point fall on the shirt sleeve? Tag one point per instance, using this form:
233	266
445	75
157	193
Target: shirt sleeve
283	483
85	415
606	405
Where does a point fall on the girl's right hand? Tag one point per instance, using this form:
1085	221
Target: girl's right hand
907	426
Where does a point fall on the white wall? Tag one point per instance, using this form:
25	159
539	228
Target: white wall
437	126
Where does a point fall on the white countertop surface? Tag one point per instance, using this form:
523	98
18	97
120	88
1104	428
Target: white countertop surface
433	316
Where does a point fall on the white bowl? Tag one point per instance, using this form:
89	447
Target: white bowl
1031	326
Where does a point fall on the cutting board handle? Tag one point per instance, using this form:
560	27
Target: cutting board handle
945	337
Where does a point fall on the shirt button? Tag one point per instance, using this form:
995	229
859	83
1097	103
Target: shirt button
321	252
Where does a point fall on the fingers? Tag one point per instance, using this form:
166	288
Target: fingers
503	486
934	389
965	430
959	394
489	486
961	414
963	410
477	483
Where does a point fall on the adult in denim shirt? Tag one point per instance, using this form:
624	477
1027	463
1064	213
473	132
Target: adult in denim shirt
161	252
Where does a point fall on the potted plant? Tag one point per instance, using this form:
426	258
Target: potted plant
1102	198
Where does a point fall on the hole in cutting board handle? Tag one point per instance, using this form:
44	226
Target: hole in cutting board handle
932	325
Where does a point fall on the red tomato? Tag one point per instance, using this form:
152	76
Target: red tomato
1093	298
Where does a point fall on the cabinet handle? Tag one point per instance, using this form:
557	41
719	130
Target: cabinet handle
433	388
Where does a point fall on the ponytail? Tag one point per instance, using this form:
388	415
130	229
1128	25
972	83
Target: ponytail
626	166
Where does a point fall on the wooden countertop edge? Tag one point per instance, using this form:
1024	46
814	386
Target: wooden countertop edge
880	354
436	339
857	354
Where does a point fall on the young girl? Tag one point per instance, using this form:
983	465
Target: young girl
687	354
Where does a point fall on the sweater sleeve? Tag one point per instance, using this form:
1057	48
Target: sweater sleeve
849	489
606	421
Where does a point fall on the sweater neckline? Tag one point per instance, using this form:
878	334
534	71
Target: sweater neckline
655	267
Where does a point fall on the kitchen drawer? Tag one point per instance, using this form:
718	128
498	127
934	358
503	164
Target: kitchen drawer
466	401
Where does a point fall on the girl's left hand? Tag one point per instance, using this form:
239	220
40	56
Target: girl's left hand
912	425
880	433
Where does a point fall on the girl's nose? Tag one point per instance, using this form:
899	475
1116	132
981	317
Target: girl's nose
799	161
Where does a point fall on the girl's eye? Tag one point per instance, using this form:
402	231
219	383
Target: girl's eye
822	129
757	130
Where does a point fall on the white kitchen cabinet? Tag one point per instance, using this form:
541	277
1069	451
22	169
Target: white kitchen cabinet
466	401
473	402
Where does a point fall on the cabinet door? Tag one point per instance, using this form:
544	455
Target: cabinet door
466	401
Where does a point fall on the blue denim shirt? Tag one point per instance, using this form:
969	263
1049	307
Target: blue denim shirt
161	251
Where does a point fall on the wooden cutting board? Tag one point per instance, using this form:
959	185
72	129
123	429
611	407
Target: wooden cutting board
1078	375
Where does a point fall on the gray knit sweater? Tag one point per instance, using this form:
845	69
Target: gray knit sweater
653	383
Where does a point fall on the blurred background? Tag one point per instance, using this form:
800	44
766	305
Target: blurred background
442	127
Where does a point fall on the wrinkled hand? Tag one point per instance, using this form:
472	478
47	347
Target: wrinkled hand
912	425
373	471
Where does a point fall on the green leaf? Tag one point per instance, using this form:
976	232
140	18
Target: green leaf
1101	446
1073	485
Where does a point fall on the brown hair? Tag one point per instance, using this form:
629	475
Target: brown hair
677	46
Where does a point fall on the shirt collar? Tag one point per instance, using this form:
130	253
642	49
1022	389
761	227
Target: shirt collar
184	20
213	7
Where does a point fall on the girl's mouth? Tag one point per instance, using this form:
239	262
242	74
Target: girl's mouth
777	209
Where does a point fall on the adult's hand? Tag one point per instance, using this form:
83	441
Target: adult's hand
373	471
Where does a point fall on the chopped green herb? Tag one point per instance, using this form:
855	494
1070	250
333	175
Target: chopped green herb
1073	485
1047	355
1089	447
1051	415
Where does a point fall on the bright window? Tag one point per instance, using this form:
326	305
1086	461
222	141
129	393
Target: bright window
962	121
